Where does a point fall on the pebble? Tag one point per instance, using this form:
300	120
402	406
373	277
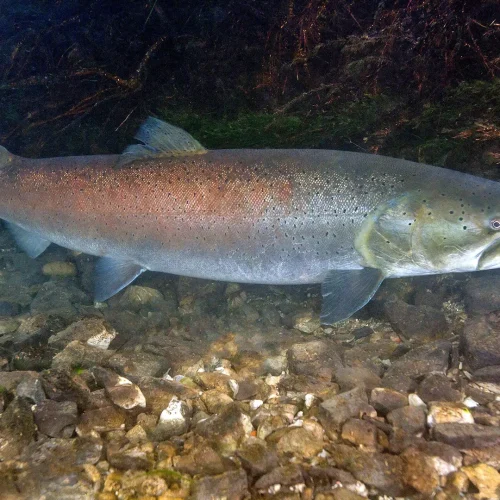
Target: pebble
333	412
480	341
361	433
174	420
256	458
485	478
31	389
79	354
59	269
135	298
306	322
384	399
318	358
17	429
96	332
56	419
423	323
100	420
128	456
298	441
287	478
447	413
8	325
437	387
378	470
120	390
481	294
231	485
410	419
215	401
467	436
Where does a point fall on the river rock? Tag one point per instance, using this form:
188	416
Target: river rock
231	485
59	269
100	420
256	458
174	420
481	294
467	436
485	478
416	322
201	459
480	341
410	419
128	456
361	433
333	412
437	387
31	389
385	400
96	332
79	354
304	442
61	385
288	478
56	419
17	429
138	364
226	431
120	390
446	413
318	358
348	378
378	470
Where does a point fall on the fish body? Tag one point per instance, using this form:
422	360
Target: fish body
347	220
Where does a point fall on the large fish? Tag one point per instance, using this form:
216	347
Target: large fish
346	220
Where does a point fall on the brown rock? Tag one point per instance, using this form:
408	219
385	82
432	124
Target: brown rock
231	485
385	400
437	387
298	441
467	436
361	433
379	470
103	419
480	341
318	358
256	458
333	412
485	478
420	471
410	419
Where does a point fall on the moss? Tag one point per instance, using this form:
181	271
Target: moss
169	475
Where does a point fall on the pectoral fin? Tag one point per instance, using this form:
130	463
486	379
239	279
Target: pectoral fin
30	242
112	275
344	292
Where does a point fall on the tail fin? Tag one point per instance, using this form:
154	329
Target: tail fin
5	157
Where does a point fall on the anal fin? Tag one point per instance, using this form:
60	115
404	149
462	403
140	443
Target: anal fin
346	291
31	243
112	275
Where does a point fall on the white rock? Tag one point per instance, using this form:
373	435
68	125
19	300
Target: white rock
447	413
415	400
256	403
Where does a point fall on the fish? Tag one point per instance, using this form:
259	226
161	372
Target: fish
346	220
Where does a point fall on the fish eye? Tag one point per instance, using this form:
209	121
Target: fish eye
495	224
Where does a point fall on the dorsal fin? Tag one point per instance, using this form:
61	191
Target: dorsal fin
159	140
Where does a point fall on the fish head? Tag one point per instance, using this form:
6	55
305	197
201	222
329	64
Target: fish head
439	230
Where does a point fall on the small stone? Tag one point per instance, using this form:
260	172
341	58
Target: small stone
59	269
480	341
9	381
215	401
378	470
17	429
135	298
120	390
317	358
200	460
56	419
96	332
8	325
226	431
275	365
306	322
361	433
410	419
231	485
256	458
348	378
130	456
61	385
104	419
485	478
385	400
271	424
423	360
288	478
9	308
78	354
137	434
467	436
416	322
31	389
420	471
215	380
174	420
446	413
333	412
481	294
138	364
437	387
299	441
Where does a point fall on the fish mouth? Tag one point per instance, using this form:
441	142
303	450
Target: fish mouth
490	258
